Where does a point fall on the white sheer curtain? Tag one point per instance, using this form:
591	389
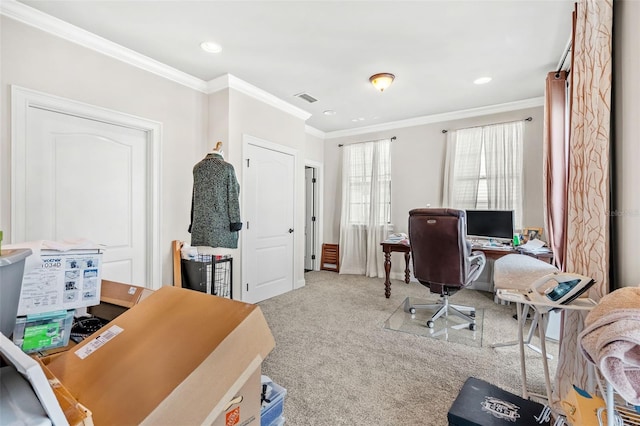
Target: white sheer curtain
483	169
366	201
462	168
503	160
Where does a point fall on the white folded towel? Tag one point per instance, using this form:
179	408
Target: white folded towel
611	340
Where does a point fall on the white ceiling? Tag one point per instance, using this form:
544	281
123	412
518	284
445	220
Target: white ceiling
330	48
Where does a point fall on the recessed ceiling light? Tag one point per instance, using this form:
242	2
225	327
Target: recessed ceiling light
329	112
482	80
211	47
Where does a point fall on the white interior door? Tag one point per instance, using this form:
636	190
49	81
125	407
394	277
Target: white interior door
86	179
268	239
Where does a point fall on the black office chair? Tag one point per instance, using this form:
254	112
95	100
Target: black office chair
442	259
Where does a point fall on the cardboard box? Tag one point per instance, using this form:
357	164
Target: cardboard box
74	412
116	298
177	357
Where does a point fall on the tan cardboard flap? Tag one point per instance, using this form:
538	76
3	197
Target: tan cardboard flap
75	413
120	294
165	339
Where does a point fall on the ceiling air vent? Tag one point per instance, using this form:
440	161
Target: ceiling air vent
307	97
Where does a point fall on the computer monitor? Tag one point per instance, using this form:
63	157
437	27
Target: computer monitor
490	224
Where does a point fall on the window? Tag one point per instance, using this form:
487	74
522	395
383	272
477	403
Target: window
367	184
484	169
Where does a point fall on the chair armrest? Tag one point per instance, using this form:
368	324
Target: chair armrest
476	257
477	261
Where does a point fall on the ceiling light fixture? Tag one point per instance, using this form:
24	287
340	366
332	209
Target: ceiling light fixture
329	112
482	80
211	47
382	81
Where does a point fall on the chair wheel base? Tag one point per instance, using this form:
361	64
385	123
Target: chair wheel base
472	326
412	310
430	324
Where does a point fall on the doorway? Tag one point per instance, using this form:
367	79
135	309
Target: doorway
309	218
313	199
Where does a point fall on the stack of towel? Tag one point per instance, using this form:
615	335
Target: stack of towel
611	341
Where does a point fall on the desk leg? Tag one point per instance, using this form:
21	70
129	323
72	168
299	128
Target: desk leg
406	267
387	271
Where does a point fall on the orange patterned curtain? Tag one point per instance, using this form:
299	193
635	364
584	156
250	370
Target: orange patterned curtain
588	195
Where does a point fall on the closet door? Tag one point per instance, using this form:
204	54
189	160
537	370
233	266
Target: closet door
86	179
268	239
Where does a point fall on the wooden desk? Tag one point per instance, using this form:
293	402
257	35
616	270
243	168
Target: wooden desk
491	253
388	248
495	253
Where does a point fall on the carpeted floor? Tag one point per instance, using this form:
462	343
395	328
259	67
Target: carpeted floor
341	366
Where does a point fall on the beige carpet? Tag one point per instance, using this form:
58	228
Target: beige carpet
340	365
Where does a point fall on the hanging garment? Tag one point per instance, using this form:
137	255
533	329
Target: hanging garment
215	209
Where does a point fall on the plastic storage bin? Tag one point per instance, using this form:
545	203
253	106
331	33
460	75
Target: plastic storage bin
11	272
40	332
271	412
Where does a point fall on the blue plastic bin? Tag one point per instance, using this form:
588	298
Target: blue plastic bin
271	413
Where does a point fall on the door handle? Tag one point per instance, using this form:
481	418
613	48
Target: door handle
290	230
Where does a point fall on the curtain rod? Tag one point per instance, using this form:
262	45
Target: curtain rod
503	122
564	56
340	145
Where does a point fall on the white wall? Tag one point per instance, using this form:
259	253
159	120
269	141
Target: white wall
252	117
37	60
314	148
417	167
626	110
218	119
192	123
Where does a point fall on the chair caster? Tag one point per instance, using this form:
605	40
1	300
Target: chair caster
472	314
430	324
412	310
472	326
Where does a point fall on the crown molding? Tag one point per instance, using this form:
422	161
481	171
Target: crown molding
439	118
42	21
314	132
233	82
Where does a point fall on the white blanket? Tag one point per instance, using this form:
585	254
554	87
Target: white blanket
611	340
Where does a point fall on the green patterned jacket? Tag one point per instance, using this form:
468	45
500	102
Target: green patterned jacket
215	209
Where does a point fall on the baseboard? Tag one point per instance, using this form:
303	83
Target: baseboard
299	284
